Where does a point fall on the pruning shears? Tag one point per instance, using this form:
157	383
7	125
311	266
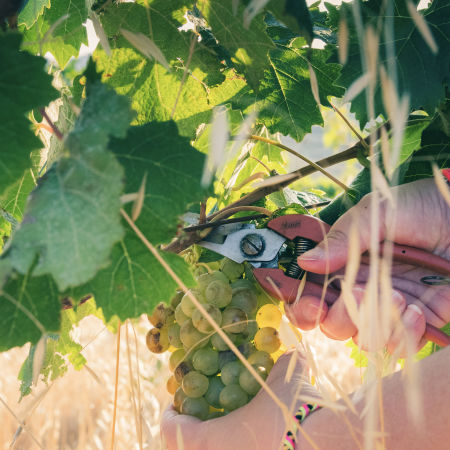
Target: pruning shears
294	234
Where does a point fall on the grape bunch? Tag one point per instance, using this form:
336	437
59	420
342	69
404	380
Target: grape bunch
208	379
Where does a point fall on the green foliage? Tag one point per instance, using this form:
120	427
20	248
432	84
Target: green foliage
402	52
23	86
83	191
31	11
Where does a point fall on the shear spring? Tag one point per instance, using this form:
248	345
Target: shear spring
301	245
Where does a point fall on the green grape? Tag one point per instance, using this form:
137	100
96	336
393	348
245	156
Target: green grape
187	305
178	399
242	284
195	384
269	315
206	361
176	358
248	382
197	407
218	293
231	269
161	315
157	340
226	357
267	340
176	299
214	389
234	320
172	385
250	332
207	278
173	333
247	348
191	337
246	300
261	358
233	397
180	316
182	370
201	323
230	372
218	343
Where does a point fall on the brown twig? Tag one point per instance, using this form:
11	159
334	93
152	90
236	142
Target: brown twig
57	133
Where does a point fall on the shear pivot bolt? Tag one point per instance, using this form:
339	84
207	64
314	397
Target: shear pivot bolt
252	245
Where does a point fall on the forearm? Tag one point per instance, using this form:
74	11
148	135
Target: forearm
330	430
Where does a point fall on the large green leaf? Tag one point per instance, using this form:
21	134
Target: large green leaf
72	219
59	30
170	169
23	86
29	307
248	46
31	11
158	94
287	101
421	74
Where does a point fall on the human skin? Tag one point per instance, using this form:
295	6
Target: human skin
422	221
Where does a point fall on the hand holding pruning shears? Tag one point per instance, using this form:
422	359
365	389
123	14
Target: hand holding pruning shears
420	272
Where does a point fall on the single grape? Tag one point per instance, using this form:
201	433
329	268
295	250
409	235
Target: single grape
247	348
215	414
187	305
242	284
178	398
180	316
230	372
231	269
233	397
206	361
157	340
191	337
261	358
218	343
218	293
234	320
161	315
182	370
197	407
250	332
176	358
246	300
226	357
173	333
176	299
201	323
214	389
248	382
267	340
172	385
195	384
268	316
207	278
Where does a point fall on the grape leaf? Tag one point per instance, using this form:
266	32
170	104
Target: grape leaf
421	74
23	85
59	30
287	102
158	94
72	218
248	47
171	169
412	138
29	307
31	11
60	350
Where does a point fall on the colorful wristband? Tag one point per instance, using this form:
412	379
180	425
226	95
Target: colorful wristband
446	173
301	414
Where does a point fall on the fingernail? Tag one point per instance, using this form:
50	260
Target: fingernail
399	300
315	254
412	315
311	311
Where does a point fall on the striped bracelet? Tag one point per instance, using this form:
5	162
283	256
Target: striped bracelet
301	414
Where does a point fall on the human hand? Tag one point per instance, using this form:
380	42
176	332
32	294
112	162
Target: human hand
422	221
259	424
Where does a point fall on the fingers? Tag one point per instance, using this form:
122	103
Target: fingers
175	427
407	336
307	312
332	253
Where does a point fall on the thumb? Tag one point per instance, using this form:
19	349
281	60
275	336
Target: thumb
332	253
